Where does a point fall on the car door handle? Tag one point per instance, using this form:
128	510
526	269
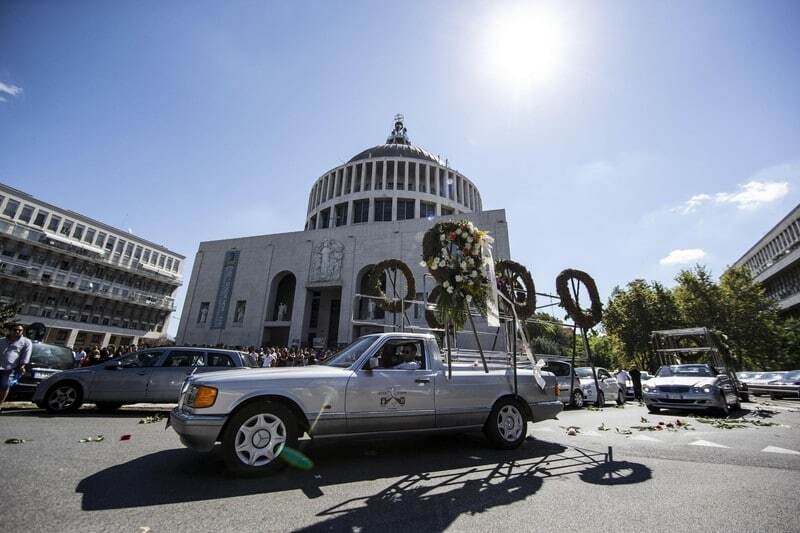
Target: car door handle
422	380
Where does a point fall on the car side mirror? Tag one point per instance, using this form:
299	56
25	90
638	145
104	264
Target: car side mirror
373	363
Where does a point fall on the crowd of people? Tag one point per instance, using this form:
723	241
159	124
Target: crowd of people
274	356
92	355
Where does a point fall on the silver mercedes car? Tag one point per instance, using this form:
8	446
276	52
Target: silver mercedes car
690	387
153	375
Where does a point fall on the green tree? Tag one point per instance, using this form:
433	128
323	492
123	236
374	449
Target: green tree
8	312
633	313
699	298
547	336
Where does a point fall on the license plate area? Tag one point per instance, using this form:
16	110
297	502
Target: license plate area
673	396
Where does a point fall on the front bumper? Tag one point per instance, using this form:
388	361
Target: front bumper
688	401
546	410
198	432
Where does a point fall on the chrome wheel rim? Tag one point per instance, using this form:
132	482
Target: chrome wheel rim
260	439
510	423
62	398
577	399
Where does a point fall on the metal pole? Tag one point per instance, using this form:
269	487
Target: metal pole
574	350
478	341
449	352
514	355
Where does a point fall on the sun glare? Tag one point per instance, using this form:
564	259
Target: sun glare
524	47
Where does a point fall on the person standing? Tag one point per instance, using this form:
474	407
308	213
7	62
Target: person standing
15	353
622	380
636	377
269	359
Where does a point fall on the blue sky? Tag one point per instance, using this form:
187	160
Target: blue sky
627	139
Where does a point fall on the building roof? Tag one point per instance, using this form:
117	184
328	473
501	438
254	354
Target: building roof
397	145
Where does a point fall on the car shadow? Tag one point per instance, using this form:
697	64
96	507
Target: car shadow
182	475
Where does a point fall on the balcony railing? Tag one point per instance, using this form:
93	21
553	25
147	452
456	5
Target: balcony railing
16	270
40	238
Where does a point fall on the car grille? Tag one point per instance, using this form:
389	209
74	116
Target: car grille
673	388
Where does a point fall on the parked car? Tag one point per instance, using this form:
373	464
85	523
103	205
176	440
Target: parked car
786	386
46	360
690	387
629	392
763	378
609	388
568	394
153	375
257	414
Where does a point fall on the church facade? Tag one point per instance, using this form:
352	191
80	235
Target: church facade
305	288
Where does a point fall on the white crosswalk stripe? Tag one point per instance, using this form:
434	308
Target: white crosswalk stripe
775	449
645	438
707	443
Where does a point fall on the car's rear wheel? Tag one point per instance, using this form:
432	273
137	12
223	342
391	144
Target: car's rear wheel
577	399
601	399
108	407
255	437
63	397
506	427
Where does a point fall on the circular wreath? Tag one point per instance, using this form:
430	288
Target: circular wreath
516	284
392	305
585	319
453	253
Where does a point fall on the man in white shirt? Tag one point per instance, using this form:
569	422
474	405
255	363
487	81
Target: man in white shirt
409	354
15	353
269	359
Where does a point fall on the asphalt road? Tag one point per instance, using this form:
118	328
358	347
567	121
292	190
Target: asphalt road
704	478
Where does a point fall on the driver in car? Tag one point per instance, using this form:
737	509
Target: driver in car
408	354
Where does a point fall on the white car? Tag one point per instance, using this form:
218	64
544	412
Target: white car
609	388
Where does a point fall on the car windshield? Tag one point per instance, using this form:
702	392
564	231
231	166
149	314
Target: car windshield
685	370
249	360
583	372
51	356
794	375
350	355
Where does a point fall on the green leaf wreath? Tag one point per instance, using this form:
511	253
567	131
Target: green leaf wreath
453	253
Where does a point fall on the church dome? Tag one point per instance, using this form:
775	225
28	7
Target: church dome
392	181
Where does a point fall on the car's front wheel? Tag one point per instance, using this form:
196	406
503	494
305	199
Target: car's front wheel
506	427
577	399
63	398
255	437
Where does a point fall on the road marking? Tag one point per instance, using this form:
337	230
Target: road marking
707	443
645	437
775	449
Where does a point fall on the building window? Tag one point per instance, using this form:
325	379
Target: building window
312	224
423	178
41	216
146	257
390	175
360	211
339	181
325	218
175	265
169	264
26	214
78	233
427	210
368	177
401	175
349	181
11	208
341	215
238	312
357	184
405	209
412	176
447	211
383	210
66	228
89	237
379	175
54	223
161	260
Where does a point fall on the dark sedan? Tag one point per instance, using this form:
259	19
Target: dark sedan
46	361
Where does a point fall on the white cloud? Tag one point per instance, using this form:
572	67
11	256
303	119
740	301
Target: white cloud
8	89
751	195
682	257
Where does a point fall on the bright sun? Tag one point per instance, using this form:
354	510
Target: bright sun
524	47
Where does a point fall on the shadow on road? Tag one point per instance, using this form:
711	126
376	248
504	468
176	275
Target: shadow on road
469	475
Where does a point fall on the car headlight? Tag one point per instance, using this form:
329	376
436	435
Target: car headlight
587	387
705	389
201	396
648	388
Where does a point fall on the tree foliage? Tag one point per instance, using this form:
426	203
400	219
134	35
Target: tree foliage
735	305
8	312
